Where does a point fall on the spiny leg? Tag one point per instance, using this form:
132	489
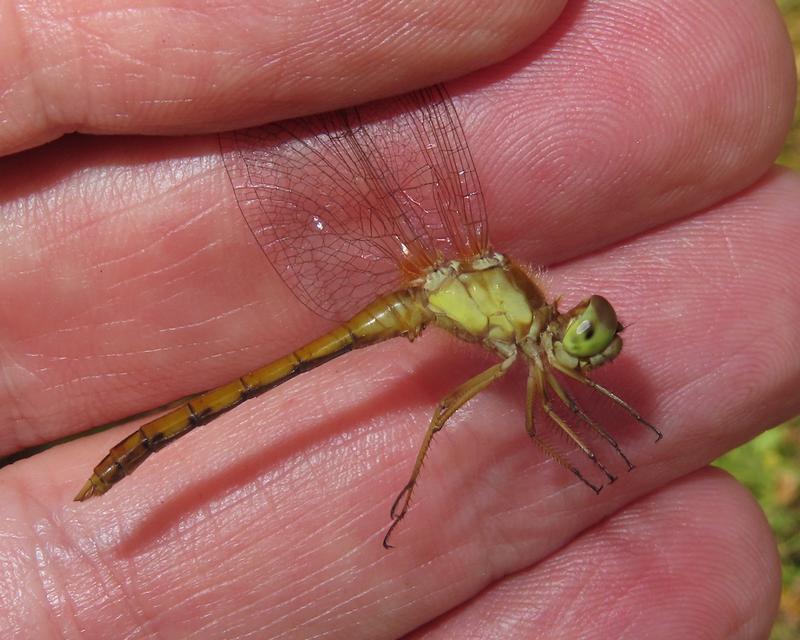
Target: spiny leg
573	406
534	390
446	408
608	394
548	409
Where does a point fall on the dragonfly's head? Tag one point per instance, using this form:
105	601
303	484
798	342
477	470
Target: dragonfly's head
588	335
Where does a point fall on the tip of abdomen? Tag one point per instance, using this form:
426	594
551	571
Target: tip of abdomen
93	487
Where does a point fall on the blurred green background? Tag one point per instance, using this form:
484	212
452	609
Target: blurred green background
770	465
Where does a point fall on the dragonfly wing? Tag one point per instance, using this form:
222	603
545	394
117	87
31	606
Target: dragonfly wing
350	204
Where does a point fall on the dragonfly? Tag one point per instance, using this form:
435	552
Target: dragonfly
379	207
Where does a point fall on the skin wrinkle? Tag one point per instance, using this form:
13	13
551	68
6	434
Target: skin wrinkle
159	271
310	591
15	574
210	320
148	275
12	12
36	514
114	582
297	612
54	209
58	28
66	609
13	402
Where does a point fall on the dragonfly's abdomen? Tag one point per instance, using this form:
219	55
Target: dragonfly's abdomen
398	314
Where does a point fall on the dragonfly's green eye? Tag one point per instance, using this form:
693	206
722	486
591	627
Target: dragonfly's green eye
592	330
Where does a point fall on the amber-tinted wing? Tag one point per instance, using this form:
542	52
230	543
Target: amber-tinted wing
348	205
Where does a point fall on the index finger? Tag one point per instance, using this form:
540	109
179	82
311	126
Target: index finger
173	69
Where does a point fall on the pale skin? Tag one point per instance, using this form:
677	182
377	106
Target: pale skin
630	152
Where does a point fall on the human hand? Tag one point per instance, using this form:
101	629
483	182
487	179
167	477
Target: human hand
629	150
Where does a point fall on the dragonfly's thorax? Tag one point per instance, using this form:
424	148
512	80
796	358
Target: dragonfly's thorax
487	300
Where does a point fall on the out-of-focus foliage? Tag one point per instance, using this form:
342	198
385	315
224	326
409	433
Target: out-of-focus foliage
770	465
791	148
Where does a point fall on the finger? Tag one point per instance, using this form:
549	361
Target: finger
139	318
592	140
667	566
291	492
150	68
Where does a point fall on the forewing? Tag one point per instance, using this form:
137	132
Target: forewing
349	205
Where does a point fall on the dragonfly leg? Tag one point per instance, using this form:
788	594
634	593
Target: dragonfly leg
535	390
608	394
573	406
446	408
567	429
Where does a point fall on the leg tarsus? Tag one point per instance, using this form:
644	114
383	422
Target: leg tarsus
572	404
548	409
405	493
608	394
574	437
535	388
392	526
444	410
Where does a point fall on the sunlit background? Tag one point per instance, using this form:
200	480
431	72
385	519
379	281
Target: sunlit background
770	465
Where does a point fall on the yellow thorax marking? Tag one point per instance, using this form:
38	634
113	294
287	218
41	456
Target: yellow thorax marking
484	303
